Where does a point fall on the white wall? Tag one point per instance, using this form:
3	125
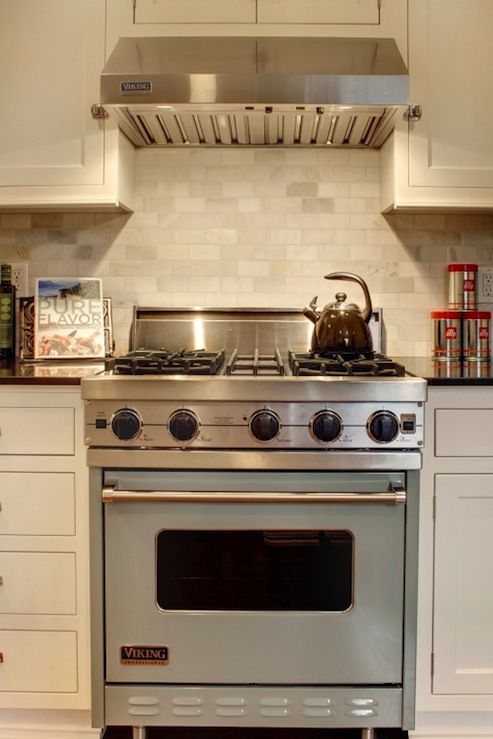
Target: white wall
252	227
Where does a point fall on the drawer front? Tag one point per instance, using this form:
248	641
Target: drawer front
319	11
37	583
194	11
464	432
37	503
38	661
37	431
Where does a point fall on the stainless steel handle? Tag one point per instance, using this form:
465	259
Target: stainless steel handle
395	496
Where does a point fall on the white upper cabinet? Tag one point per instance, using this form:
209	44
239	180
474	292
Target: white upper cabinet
445	160
379	18
53	153
195	11
257	11
318	11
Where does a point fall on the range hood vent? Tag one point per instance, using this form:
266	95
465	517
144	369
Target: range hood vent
255	91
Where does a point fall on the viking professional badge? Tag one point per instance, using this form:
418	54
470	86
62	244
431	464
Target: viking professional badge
144	87
143	654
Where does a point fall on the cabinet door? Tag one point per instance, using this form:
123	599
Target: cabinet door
451	65
37	504
44	661
51	56
463	589
318	11
38	583
26	430
195	11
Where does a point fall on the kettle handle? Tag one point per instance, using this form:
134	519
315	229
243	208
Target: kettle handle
350	277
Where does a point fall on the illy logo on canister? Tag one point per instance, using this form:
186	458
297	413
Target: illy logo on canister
451	332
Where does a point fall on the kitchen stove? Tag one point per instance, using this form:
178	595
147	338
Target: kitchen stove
278	471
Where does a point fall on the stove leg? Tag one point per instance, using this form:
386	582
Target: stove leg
367	733
139	732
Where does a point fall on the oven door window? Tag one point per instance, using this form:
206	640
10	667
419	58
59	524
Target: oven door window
255	570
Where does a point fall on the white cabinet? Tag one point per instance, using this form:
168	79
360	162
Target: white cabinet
319	11
257	11
39	661
44	581
463	590
380	18
454	687
194	11
53	153
445	160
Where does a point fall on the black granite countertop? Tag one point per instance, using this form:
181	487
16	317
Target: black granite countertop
48	372
443	373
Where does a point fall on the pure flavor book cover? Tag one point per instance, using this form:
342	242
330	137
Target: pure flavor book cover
69	319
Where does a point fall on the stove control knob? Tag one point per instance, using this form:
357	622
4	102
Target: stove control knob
126	424
183	425
265	425
383	427
326	426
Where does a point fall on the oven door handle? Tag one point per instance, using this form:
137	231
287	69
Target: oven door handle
394	496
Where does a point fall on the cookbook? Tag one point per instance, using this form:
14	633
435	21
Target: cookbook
69	320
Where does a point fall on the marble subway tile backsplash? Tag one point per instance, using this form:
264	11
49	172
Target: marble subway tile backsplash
254	227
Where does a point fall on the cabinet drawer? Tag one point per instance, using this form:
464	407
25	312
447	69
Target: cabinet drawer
37	583
37	503
44	661
195	11
37	431
319	11
464	432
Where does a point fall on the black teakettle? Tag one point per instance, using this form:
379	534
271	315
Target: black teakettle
341	327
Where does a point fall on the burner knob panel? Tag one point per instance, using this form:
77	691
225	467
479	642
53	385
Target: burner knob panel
126	424
183	425
265	425
326	426
383	427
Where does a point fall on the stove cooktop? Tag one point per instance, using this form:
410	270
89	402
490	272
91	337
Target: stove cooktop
255	364
162	362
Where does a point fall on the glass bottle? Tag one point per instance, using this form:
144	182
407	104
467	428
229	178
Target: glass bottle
7	314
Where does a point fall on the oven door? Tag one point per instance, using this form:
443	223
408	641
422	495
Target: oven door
254	577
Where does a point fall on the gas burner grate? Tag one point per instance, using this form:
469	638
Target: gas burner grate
315	364
162	362
255	364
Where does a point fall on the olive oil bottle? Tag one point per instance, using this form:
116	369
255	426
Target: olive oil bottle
7	314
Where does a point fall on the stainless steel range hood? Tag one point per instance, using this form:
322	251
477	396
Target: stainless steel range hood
255	91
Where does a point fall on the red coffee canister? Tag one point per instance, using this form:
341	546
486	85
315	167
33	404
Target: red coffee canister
446	334
476	335
462	286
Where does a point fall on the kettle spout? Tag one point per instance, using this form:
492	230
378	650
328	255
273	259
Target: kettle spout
310	310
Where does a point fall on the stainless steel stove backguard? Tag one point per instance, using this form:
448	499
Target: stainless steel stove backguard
244	329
